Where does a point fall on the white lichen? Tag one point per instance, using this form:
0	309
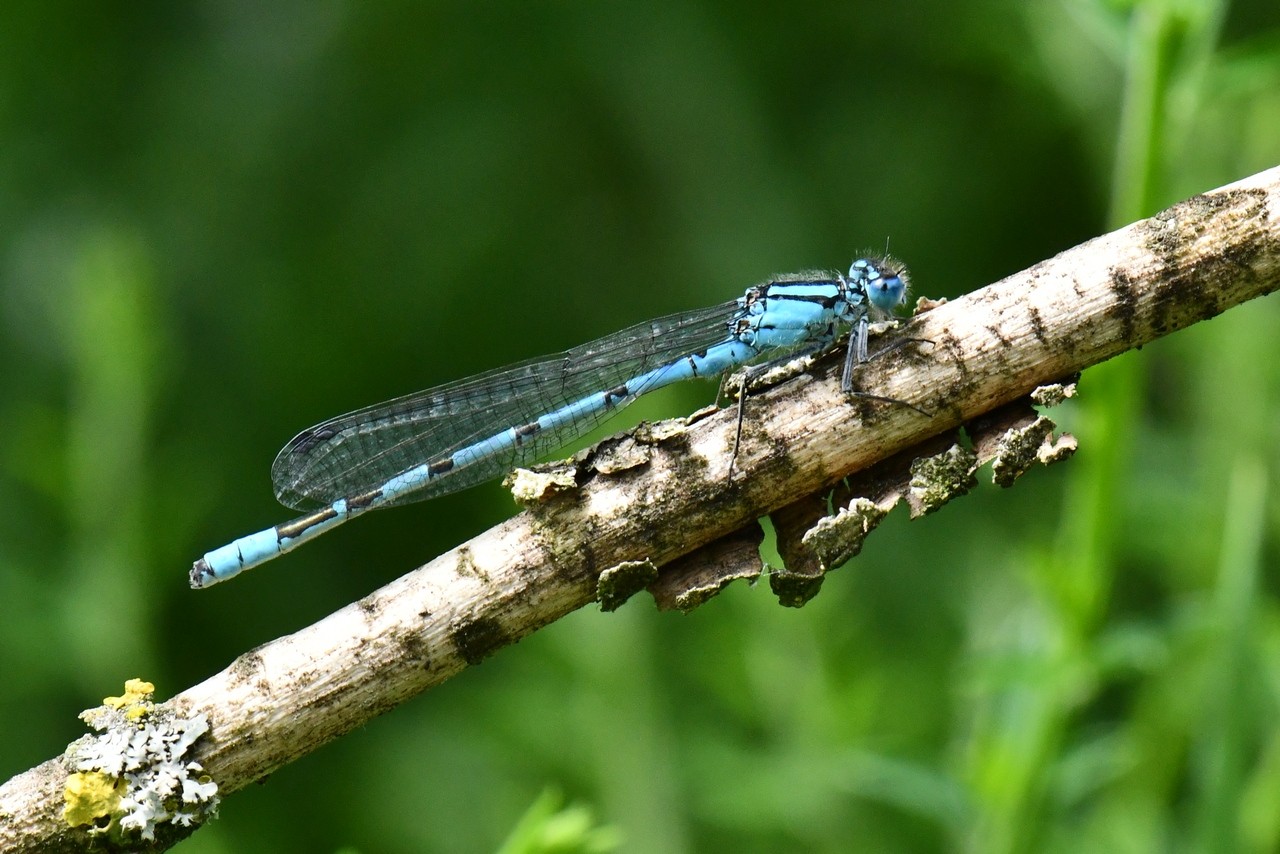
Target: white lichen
135	776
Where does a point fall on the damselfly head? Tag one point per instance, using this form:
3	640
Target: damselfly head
884	279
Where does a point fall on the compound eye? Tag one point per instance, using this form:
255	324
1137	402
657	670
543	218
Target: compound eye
885	282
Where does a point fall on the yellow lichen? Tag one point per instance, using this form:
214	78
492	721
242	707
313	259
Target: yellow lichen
136	692
90	796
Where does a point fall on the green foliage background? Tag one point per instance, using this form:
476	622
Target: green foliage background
225	221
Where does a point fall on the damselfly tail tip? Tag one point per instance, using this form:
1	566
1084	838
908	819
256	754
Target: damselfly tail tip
202	575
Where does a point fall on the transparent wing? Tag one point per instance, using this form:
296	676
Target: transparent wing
358	452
